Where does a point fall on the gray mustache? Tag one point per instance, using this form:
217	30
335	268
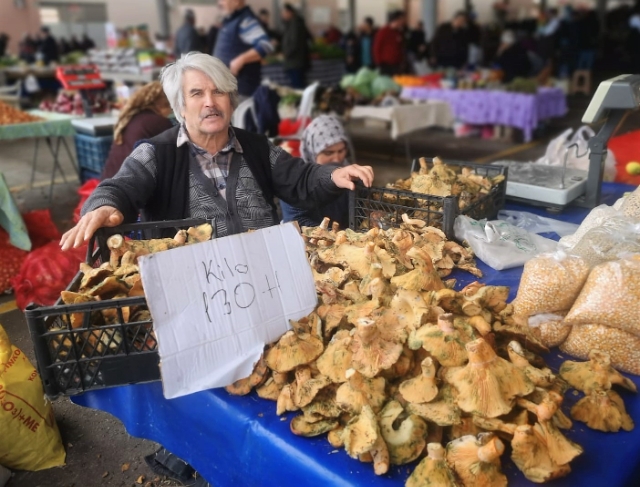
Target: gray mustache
209	113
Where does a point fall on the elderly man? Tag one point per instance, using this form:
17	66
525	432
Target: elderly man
241	44
204	168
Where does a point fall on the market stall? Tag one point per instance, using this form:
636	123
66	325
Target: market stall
240	441
53	128
404	119
496	107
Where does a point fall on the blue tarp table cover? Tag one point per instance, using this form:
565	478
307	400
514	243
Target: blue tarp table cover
239	441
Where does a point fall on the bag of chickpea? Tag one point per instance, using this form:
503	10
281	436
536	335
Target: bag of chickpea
610	296
550	283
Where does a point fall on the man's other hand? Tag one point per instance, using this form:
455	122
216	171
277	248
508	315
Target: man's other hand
344	177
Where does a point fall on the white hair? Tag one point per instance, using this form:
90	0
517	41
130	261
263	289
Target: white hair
171	79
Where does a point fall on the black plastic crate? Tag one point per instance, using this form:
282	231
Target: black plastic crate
92	151
384	207
73	360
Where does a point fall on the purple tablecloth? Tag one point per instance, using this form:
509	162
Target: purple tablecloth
484	107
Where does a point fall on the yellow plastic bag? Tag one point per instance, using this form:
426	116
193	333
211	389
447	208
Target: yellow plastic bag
28	429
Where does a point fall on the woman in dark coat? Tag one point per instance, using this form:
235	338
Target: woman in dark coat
143	117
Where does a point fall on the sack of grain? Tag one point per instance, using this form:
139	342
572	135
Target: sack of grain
550	283
610	297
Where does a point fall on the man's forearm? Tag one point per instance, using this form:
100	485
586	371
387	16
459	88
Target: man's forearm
250	56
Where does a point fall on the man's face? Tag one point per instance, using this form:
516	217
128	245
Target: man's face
207	110
229	6
286	15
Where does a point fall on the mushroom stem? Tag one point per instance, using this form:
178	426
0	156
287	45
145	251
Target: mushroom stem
491	451
445	322
435	451
325	223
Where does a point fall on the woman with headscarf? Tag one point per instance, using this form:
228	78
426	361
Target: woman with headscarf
143	116
324	141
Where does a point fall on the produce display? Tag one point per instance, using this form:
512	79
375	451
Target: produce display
71	102
397	367
10	115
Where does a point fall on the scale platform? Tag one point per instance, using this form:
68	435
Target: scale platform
542	185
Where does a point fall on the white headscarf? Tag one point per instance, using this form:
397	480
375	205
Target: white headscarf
324	131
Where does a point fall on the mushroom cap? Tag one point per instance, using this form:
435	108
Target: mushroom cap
464	457
361	433
336	359
359	391
488	384
603	411
442	410
406	442
293	349
301	427
244	386
531	456
371	352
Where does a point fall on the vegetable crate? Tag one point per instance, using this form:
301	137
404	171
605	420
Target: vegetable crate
383	207
98	344
92	151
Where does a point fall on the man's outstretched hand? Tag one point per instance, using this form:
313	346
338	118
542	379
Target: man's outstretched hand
344	177
105	216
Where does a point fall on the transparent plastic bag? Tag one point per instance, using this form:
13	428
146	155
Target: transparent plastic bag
616	238
537	224
550	328
550	283
610	297
499	244
596	218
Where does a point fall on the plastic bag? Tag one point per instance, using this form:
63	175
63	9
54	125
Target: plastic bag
11	258
610	297
623	348
549	328
45	273
550	283
630	205
498	244
594	219
41	228
30	436
577	157
611	241
537	224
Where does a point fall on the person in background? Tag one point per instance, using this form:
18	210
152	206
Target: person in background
367	35
388	45
187	38
332	36
295	46
27	49
241	44
75	44
265	21
143	116
588	34
512	58
324	141
49	47
474	36
450	44
351	47
4	42
87	43
417	42
65	47
212	37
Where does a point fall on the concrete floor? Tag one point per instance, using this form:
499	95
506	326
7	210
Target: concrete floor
97	444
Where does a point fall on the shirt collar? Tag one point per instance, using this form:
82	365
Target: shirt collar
183	138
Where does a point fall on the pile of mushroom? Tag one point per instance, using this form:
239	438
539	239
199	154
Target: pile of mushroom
397	367
446	180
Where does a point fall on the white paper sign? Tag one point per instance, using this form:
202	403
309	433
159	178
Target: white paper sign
215	304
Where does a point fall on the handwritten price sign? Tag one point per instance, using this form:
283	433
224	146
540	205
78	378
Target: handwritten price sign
216	304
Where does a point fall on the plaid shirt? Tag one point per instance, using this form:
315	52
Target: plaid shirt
214	166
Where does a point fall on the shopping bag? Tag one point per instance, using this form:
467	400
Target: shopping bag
499	244
575	147
28	429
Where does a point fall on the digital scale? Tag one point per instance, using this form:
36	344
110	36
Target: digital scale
81	77
558	186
